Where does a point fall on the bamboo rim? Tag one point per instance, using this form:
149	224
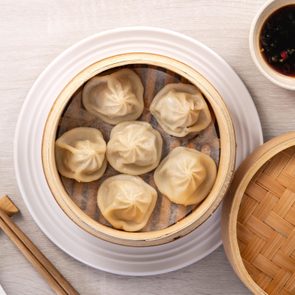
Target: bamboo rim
232	202
190	222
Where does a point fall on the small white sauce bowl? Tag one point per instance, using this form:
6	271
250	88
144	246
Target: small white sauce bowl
265	11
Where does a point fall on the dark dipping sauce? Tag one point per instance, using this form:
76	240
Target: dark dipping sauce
277	40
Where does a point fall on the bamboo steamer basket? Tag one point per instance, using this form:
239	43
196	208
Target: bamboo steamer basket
258	219
189	220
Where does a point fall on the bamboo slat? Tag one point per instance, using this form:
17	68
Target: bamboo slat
272	240
259	220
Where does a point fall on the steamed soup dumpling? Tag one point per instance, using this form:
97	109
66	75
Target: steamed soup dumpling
185	176
126	201
181	109
80	154
114	98
134	148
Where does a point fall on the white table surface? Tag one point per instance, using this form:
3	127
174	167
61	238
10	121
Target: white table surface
32	33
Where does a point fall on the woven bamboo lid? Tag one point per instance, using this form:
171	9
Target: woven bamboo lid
258	222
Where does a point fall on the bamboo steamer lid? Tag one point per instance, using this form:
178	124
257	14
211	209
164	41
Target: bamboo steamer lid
258	220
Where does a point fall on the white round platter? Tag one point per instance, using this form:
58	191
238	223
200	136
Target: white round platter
27	148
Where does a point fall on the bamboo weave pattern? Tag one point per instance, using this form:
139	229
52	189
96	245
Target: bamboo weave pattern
266	225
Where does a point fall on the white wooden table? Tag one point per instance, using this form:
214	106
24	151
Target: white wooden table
33	32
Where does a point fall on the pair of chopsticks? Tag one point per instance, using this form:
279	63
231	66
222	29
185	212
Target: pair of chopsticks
56	281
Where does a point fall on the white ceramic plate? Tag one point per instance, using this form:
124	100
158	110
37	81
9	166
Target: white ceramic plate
2	292
37	196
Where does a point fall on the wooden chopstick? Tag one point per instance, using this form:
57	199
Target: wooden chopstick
57	282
